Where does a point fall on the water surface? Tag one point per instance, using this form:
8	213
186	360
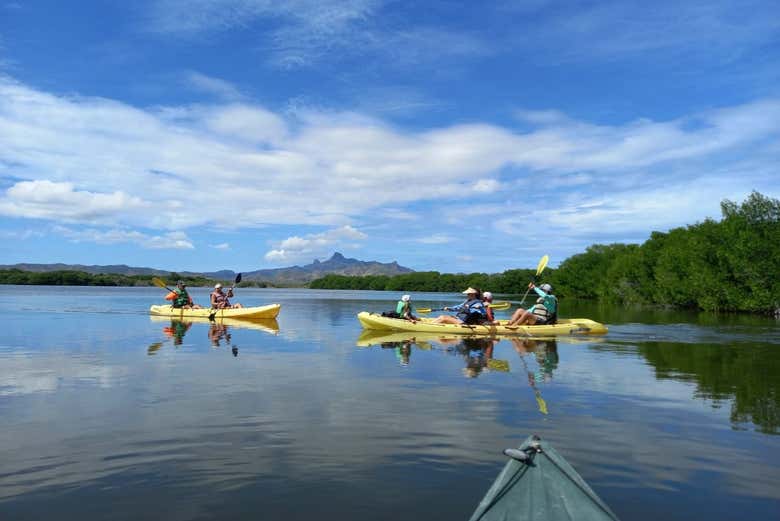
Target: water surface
108	413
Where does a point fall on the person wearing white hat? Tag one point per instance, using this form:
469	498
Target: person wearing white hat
487	298
545	311
471	311
220	299
404	308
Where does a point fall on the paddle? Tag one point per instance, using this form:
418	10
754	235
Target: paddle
537	393
214	311
160	283
539	269
500	306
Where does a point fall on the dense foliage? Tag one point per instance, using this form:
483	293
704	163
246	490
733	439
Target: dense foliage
727	265
507	282
81	278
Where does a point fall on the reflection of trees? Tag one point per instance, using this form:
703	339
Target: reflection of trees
747	373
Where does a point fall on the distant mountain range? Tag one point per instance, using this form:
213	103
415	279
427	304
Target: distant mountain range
293	275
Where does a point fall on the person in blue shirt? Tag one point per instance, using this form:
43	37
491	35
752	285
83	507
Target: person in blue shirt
545	311
471	311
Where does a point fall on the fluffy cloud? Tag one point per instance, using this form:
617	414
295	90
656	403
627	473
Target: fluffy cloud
297	248
239	165
168	241
60	201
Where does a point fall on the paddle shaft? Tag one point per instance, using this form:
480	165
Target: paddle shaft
539	269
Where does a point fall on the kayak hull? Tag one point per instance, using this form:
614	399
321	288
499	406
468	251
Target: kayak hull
565	326
269	311
538	484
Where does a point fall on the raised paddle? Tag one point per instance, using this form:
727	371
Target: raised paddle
539	269
160	283
214	311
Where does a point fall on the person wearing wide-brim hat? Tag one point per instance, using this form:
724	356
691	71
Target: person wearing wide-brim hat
471	311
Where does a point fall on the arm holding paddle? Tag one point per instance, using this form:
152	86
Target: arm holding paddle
220	299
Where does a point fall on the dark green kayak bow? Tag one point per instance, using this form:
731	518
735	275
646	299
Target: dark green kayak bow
537	484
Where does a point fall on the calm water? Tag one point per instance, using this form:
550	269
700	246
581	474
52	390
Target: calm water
109	414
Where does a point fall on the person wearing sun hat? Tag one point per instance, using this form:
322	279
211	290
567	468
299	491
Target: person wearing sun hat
471	311
545	311
404	308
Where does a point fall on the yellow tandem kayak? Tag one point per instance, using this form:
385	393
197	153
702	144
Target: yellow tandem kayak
565	326
269	311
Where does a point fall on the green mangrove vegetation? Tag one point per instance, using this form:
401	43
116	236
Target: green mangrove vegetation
727	265
82	278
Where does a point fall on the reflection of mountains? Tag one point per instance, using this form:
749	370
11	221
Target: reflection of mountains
748	373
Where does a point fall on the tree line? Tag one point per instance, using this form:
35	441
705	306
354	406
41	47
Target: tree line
82	278
728	265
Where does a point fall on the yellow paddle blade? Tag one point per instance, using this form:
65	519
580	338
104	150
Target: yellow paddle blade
498	365
542	264
158	282
423	310
541	403
500	305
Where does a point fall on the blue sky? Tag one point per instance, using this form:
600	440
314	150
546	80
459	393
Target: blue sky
455	136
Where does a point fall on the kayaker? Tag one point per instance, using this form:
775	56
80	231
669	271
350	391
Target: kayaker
217	332
487	299
545	311
180	298
471	311
404	308
219	299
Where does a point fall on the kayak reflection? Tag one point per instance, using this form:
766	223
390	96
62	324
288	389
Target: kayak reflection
477	352
218	331
267	325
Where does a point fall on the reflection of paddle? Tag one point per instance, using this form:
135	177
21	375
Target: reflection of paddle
152	349
498	365
539	400
500	306
214	311
539	269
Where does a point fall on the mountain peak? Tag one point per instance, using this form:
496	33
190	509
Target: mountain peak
337	256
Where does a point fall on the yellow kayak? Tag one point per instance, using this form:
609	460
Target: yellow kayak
565	326
268	325
166	310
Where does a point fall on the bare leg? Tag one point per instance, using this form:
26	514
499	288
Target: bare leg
447	319
522	317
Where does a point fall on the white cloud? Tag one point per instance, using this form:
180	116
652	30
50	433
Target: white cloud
220	88
626	28
300	33
20	234
101	162
297	248
437	238
168	241
59	201
221	246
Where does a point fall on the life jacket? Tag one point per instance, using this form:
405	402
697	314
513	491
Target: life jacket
179	297
472	312
220	299
542	311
